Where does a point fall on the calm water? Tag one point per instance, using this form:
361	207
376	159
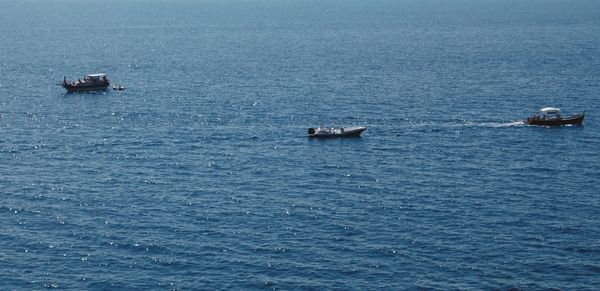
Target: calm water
200	174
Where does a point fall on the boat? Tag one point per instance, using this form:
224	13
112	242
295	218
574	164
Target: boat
550	116
91	82
335	132
118	88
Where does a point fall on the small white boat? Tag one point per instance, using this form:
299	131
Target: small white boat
119	88
335	132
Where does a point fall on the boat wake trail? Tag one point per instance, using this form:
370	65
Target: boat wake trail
502	124
433	126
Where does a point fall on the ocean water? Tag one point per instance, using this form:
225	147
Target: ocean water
200	174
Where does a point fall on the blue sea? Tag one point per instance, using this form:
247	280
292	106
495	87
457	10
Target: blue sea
200	175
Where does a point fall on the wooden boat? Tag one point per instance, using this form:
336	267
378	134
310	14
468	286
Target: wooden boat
337	132
92	82
550	116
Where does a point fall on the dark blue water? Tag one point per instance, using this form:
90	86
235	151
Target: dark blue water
200	174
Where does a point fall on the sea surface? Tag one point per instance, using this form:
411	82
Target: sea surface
200	174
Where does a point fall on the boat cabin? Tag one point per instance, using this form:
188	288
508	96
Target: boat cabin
95	77
549	113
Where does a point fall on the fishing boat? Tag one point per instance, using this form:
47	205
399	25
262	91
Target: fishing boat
335	132
91	82
550	116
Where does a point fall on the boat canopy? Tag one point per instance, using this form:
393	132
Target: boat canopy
99	75
550	110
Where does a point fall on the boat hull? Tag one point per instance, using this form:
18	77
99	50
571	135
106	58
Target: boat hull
75	88
572	120
352	132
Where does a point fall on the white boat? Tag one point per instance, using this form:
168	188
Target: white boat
335	132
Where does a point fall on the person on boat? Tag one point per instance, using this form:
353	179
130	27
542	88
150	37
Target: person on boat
321	128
